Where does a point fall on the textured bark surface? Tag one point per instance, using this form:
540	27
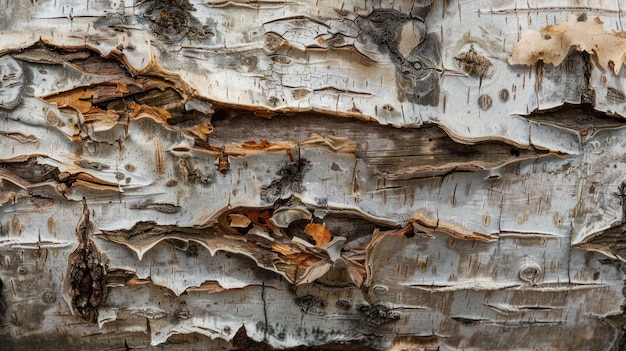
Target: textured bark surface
270	174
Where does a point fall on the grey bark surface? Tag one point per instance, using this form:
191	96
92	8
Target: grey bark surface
384	175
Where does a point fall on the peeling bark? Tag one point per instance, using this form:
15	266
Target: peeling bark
273	175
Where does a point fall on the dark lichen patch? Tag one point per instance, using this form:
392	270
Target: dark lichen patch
418	77
172	21
418	73
86	272
290	181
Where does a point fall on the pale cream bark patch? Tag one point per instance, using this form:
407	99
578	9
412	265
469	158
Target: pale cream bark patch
553	43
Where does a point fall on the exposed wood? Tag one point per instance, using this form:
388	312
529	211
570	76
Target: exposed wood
381	175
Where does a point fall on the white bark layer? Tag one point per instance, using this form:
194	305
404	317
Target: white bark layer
383	173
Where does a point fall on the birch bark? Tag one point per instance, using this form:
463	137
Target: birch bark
287	174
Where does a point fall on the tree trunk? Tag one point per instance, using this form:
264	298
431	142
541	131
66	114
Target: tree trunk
272	174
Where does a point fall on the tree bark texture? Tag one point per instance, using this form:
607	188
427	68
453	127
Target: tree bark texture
385	175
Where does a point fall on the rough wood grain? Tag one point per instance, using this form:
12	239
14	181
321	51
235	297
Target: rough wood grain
283	174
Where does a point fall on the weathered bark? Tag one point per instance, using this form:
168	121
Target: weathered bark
365	174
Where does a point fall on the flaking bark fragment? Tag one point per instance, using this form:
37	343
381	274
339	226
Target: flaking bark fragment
552	44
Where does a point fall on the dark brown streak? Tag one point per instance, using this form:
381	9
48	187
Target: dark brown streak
86	273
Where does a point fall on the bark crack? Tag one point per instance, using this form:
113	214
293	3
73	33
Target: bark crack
588	93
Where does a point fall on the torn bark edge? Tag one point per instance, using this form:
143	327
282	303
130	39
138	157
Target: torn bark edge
419	220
